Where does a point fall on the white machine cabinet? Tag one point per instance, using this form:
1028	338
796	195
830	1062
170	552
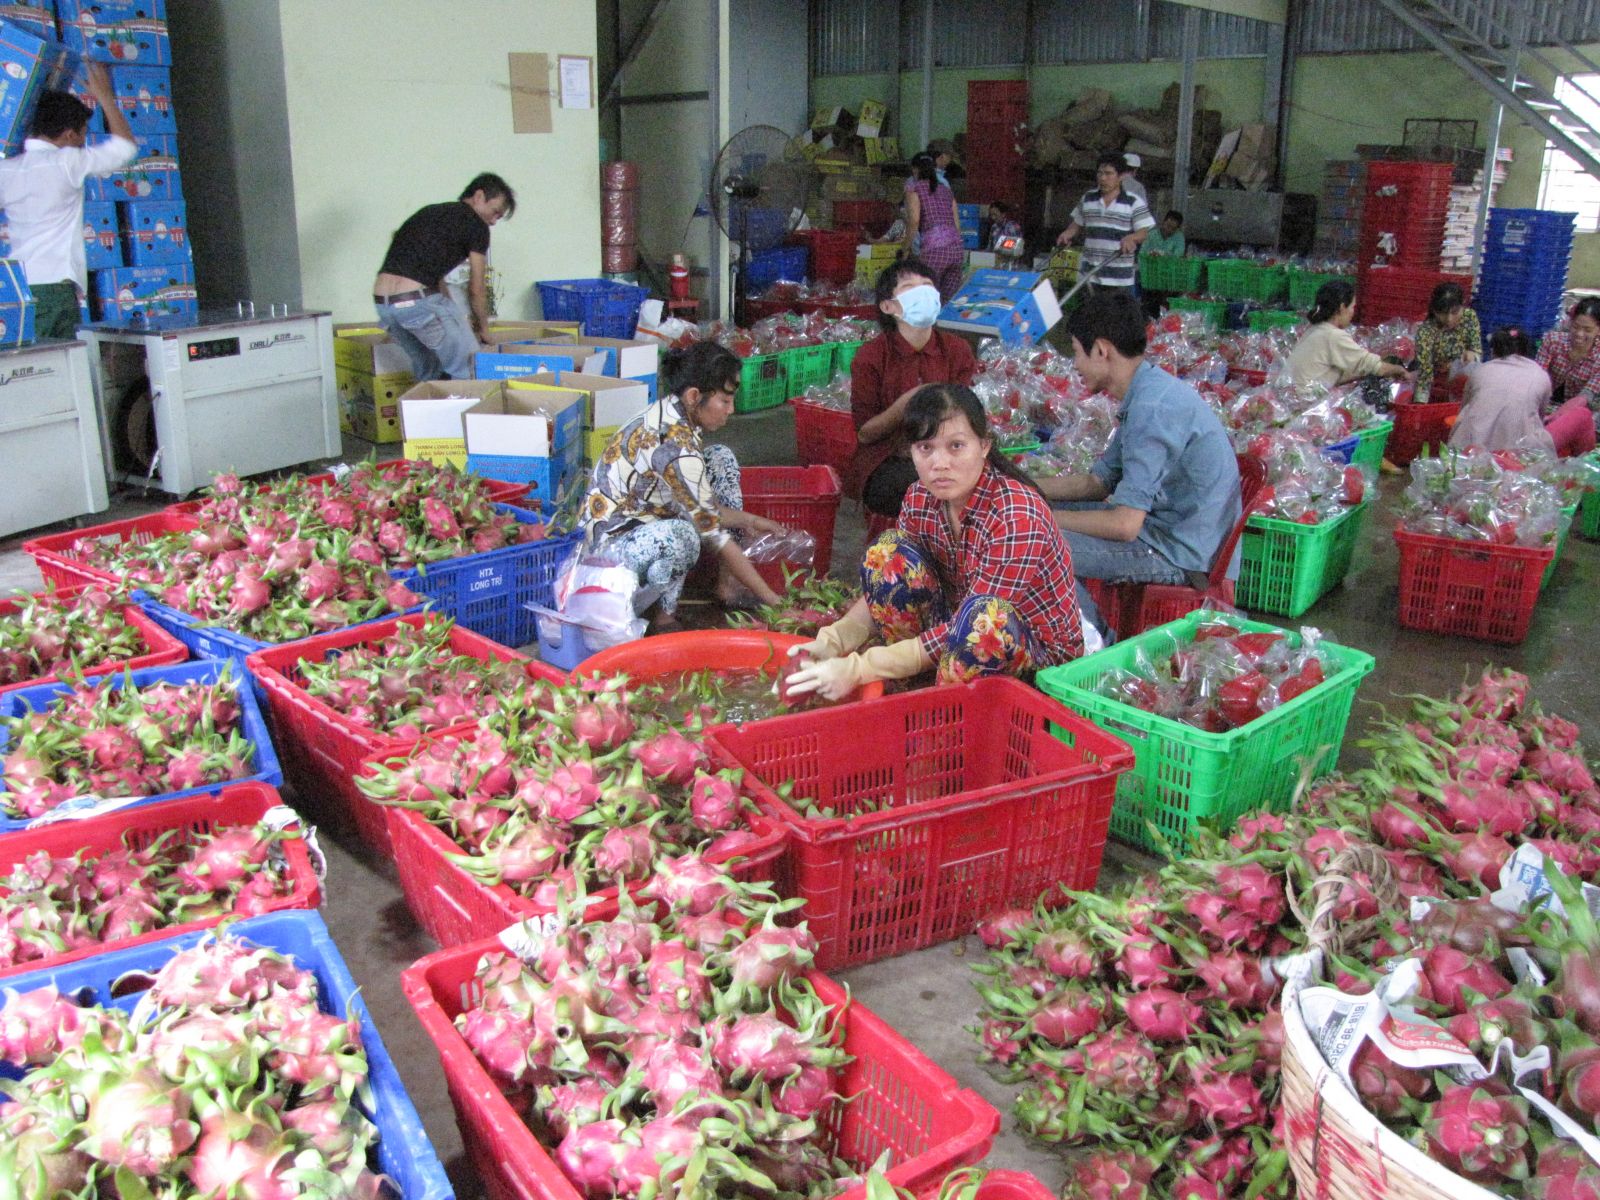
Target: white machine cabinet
229	392
51	466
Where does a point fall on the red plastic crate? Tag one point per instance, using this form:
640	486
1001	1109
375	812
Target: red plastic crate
53	554
455	907
239	804
901	1102
984	812
799	497
872	217
833	254
322	749
1386	292
1003	1185
499	491
1419	428
1469	589
823	436
988	90
162	649
757	310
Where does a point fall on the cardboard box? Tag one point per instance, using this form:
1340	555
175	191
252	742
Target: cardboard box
1018	307
154	232
527	422
366	348
145	96
432	417
530	358
117	31
873	114
595	442
371	403
503	332
827	118
16	305
31	16
547	478
609	401
154	291
102	243
153	175
881	150
29	65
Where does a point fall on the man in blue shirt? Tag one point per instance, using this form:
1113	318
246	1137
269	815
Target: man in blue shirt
1158	504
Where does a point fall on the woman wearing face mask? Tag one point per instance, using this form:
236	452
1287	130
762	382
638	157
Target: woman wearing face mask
887	371
931	212
976	579
658	495
1572	359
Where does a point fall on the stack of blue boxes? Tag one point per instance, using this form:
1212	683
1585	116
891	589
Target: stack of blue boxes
969	217
1523	272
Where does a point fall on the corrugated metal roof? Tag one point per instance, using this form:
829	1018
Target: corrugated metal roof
1222	35
989	33
853	37
1105	31
1354	26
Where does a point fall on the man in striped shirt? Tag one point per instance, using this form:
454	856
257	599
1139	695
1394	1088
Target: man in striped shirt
1113	223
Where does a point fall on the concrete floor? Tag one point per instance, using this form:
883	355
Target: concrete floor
928	994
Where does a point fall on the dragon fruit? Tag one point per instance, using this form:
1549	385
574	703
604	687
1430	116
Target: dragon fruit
136	1119
1565	1172
1162	1014
1110	1175
671	758
1478	1134
1070	1016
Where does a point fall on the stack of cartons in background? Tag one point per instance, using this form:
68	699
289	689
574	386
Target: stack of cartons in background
371	374
997	116
1339	210
1461	218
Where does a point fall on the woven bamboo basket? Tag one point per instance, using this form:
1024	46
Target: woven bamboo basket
1337	1149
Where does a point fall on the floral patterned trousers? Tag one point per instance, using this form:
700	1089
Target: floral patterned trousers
985	637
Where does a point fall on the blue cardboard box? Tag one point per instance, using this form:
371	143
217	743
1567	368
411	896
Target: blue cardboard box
1018	307
531	358
145	96
33	16
153	175
116	31
29	65
153	291
5	238
546	477
154	232
16	305
102	241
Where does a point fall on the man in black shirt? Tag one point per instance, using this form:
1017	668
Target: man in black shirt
409	291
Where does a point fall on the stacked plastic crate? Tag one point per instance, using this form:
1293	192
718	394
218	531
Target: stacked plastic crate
1524	270
997	109
1339	211
135	220
970	219
1402	237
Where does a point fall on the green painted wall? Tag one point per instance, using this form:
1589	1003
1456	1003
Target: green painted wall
1338	102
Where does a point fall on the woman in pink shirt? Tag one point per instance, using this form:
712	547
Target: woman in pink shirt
1504	399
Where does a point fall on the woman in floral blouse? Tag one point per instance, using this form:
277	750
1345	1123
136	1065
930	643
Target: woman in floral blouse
658	495
1449	345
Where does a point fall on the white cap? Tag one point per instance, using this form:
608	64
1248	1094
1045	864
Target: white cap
1133	160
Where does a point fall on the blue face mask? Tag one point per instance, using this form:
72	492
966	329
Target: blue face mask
939	172
919	306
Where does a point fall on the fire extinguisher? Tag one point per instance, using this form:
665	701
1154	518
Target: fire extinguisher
678	278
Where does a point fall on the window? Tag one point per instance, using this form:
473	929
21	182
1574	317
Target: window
1563	185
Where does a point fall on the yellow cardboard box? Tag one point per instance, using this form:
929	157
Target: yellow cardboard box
881	150
369	404
367	348
873	114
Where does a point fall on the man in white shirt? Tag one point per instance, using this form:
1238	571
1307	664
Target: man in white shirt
1130	177
41	191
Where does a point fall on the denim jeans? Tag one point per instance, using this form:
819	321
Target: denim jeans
435	334
1114	562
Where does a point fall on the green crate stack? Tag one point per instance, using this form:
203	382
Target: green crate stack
1236	279
1215	311
807	365
1303	286
763	383
1263	319
1183	776
1286	567
844	353
1568	515
1589	525
1370	445
1171	273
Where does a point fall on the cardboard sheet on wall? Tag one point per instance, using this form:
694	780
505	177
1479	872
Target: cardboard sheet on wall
530	93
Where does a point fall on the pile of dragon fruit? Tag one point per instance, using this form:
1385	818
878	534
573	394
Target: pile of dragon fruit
809	602
51	632
410	681
1312	415
1224	679
786	331
1144	1023
682	1035
227	1079
1471	496
1025	389
55	905
134	740
1307	486
583	792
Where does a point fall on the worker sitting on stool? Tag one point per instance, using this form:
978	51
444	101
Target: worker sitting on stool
413	307
41	191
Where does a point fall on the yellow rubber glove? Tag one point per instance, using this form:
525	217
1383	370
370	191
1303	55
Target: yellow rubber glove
834	641
836	678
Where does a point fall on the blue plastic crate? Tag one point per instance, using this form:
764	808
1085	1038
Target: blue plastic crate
602	307
488	593
1543	217
251	723
404	1152
969	215
213	641
970	240
769	266
761	227
1340	452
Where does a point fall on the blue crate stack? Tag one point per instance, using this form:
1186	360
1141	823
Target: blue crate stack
969	218
142	261
1523	272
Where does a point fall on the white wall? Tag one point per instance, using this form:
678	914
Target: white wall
767	64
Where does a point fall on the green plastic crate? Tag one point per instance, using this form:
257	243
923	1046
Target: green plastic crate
1286	567
1171	272
763	383
1263	319
1215	310
1370	445
844	353
1589	507
1236	279
807	365
1303	286
1569	514
1183	776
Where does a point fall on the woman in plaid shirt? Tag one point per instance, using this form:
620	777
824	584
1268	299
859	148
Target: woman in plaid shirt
1573	360
976	578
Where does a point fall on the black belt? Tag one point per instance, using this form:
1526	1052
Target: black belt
402	297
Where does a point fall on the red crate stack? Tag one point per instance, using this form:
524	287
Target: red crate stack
1407	201
1384	293
995	108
